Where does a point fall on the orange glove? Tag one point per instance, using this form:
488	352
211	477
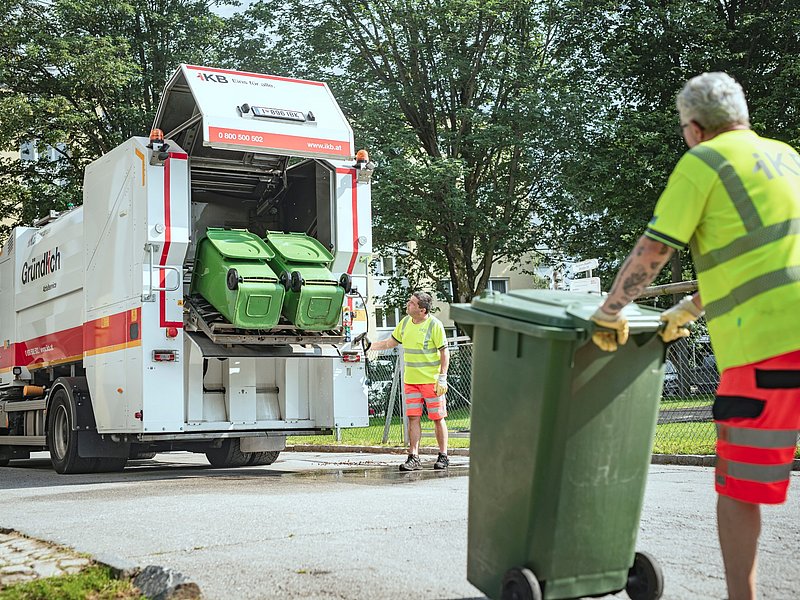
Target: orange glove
677	317
609	340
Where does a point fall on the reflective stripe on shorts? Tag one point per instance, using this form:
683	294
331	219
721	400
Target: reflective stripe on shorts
415	393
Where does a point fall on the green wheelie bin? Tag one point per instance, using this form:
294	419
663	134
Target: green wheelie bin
231	273
560	444
314	297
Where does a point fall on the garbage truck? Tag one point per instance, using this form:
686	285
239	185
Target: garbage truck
201	296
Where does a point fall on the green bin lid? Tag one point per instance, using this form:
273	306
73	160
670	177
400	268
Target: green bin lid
239	243
555	308
298	247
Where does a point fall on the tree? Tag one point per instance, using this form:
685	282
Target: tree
448	95
625	64
80	77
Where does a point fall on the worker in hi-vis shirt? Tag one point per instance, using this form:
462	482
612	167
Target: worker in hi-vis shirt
734	199
426	359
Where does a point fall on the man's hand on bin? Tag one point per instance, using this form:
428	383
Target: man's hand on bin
440	387
362	339
677	317
609	340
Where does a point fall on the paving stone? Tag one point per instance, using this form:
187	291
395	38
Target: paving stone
16	578
73	562
15	569
48	568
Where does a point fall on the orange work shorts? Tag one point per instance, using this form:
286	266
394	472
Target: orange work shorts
757	412
416	393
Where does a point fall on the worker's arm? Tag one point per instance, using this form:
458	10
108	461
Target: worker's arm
444	360
389	342
638	271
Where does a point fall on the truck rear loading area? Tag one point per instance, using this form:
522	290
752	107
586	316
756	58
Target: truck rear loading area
199	297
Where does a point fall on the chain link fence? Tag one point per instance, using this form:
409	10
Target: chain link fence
685	424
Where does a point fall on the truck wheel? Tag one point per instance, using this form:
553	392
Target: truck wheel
645	579
232	279
263	458
228	455
110	465
142	455
62	439
346	282
521	584
297	281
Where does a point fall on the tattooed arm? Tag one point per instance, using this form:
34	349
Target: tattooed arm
641	267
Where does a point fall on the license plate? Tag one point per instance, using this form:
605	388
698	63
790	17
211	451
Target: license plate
278	113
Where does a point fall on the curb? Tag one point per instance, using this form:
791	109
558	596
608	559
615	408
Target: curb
689	460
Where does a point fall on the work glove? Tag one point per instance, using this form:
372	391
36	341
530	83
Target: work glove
362	339
609	340
440	387
675	319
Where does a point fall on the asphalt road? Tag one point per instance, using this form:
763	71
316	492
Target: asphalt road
345	526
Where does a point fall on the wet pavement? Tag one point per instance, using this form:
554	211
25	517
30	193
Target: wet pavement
325	526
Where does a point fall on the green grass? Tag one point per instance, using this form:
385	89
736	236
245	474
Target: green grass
373	435
94	583
671	438
671	403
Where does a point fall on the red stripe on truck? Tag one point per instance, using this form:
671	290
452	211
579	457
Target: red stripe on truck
256	75
162	274
278	141
106	334
354	211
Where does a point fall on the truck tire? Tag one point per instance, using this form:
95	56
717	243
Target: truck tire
228	455
110	465
263	458
62	439
142	455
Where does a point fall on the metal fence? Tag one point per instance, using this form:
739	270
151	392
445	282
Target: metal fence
685	423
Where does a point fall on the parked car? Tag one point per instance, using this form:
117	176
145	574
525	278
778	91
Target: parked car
671	382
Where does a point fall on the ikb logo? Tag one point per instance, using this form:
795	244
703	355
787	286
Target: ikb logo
213	78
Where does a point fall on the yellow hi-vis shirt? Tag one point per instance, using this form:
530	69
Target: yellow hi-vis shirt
421	344
735	200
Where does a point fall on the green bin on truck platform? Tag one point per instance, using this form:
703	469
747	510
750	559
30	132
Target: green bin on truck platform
561	436
314	297
231	272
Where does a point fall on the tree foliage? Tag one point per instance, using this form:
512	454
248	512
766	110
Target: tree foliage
448	96
622	66
80	77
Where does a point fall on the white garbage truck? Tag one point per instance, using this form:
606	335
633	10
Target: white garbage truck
201	297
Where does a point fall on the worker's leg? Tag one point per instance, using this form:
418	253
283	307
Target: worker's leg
414	434
441	434
757	411
739	526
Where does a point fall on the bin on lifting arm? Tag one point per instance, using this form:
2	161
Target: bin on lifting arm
561	439
313	295
231	272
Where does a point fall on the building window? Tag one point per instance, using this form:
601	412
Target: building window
445	287
386	318
498	285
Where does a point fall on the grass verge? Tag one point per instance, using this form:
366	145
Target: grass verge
93	583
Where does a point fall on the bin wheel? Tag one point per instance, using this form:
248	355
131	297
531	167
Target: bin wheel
520	583
233	280
645	578
285	280
297	281
346	282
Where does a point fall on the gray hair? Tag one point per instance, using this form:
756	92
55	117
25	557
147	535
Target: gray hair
424	300
714	101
